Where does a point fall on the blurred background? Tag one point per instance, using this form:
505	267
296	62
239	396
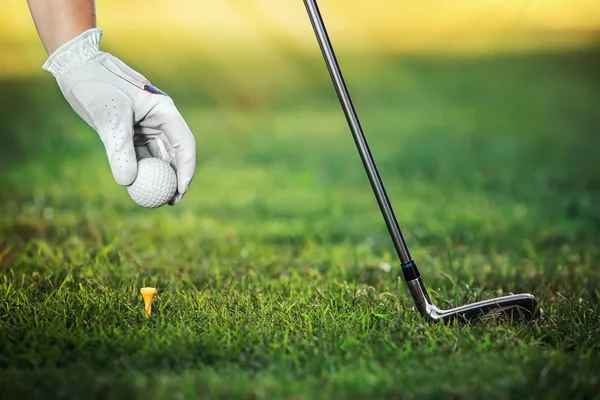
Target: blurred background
480	114
236	30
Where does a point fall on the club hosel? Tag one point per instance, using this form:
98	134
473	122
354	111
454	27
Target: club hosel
418	292
416	287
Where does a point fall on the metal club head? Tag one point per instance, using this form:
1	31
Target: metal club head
523	307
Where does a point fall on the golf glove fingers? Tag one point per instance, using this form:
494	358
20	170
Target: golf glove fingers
133	118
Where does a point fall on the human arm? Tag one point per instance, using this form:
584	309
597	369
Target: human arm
58	21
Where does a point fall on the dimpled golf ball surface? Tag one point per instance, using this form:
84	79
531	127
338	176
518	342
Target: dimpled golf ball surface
155	185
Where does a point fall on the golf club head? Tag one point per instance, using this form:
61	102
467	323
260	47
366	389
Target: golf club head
517	307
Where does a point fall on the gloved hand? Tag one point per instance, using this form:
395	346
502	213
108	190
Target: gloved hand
128	113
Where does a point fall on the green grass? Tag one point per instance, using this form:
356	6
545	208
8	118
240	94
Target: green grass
275	275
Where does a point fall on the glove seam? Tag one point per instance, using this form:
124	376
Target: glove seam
76	98
119	89
82	107
82	82
144	92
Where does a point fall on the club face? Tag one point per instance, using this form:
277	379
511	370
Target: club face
518	307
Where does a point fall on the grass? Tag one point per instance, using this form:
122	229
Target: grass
275	276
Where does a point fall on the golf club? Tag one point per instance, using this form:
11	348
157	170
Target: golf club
523	306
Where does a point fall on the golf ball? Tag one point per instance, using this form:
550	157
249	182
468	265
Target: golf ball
155	184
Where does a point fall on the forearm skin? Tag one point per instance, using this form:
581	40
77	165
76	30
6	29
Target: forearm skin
58	21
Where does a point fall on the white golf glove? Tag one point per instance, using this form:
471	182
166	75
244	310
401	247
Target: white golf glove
129	114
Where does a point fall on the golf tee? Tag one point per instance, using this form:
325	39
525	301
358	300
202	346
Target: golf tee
148	294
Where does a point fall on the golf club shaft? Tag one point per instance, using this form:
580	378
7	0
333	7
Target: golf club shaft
409	268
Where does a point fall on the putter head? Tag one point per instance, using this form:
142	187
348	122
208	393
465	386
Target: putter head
517	307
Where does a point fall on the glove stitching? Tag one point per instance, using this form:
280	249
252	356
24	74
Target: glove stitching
118	88
82	107
143	92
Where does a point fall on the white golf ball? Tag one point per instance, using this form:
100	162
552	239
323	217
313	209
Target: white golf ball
155	184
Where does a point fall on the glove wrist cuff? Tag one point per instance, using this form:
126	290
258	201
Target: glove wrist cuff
73	53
